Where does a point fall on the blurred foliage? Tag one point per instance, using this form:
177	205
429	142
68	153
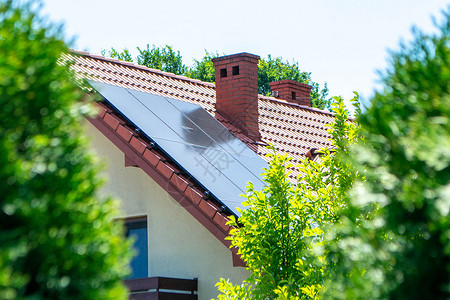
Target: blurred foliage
281	225
58	240
394	242
269	70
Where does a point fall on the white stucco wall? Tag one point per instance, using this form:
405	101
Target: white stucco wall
179	246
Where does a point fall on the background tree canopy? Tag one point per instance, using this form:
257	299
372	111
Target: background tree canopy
161	58
58	238
269	69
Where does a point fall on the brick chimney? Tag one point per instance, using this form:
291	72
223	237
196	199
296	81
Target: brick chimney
292	91
237	91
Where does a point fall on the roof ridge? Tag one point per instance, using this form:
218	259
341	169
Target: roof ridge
304	107
140	67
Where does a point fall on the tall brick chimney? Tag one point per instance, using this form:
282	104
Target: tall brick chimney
292	91
237	91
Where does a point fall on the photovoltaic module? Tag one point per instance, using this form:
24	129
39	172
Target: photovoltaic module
194	139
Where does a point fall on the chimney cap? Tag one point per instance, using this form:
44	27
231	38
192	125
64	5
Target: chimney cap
289	83
238	57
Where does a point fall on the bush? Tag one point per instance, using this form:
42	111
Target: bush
58	240
402	250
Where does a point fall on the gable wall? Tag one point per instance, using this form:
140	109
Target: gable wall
179	246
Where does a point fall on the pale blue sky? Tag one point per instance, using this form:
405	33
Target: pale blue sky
340	42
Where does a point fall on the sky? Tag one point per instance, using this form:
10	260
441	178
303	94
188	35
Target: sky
342	43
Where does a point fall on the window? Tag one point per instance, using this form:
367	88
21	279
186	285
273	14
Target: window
235	70
137	229
223	73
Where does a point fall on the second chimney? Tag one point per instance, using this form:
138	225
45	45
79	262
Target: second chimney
237	91
292	91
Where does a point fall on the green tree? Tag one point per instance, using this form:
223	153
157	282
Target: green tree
281	225
162	58
57	241
203	69
125	55
402	251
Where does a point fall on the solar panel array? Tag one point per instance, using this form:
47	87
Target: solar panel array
195	140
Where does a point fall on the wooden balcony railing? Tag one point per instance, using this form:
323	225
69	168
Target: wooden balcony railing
162	288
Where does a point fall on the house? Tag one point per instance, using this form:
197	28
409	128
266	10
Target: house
180	151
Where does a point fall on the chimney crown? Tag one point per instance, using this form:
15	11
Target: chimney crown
243	56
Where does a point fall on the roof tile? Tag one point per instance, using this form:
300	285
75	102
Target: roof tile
165	169
102	109
125	132
208	208
179	182
193	194
151	157
111	121
138	144
222	220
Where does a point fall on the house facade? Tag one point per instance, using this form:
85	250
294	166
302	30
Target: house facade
175	195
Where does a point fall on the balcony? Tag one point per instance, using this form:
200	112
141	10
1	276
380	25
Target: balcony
162	288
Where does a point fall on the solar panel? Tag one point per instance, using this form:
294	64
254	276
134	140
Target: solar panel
195	140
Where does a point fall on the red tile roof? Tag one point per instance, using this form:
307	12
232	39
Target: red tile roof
291	128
